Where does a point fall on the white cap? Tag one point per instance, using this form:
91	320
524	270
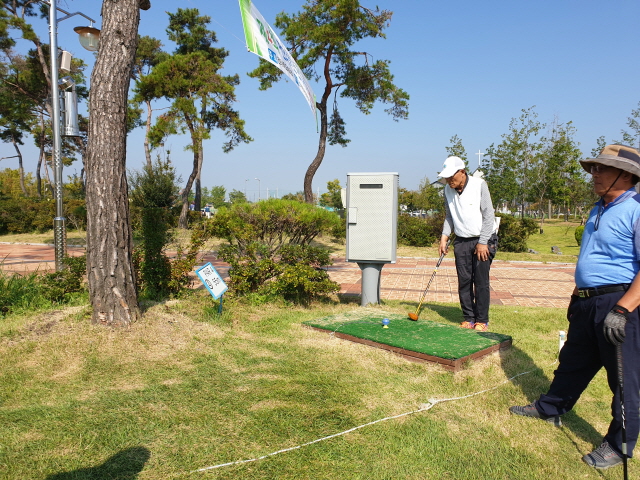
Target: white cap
451	166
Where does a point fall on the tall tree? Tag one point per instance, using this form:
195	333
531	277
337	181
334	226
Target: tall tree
555	172
27	79
507	165
333	197
148	54
112	285
201	97
236	196
600	144
632	138
457	149
322	38
217	195
15	119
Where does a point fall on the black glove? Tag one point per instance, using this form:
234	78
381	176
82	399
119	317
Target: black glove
614	324
571	302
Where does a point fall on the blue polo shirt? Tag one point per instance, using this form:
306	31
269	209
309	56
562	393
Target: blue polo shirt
611	254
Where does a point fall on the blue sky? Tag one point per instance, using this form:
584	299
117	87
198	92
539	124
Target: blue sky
468	66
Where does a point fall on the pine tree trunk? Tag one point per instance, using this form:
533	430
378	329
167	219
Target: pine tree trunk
322	145
183	221
20	167
112	286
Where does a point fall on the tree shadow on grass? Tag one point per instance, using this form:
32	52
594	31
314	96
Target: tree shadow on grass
124	465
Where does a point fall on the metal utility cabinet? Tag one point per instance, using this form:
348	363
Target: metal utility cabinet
372	225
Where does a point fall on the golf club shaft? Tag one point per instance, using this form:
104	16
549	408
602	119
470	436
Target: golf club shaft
622	411
424	294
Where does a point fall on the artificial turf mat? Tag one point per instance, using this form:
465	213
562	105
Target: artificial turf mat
425	338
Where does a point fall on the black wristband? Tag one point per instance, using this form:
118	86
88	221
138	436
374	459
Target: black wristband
621	310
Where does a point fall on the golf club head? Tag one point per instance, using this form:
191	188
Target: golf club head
413	316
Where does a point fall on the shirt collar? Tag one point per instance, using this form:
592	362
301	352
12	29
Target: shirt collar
466	180
621	198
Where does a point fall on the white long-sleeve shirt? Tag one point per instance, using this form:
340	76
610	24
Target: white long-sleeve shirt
469	213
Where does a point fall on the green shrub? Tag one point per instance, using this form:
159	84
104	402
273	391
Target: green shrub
301	275
31	291
75	211
419	232
55	286
339	232
268	248
578	234
514	232
18	292
26	215
153	193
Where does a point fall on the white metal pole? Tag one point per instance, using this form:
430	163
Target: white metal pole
59	233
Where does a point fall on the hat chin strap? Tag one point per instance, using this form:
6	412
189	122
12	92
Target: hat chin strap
610	187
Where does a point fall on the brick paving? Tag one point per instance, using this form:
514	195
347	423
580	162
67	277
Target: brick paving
512	283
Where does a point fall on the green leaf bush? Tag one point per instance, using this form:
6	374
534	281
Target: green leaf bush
268	248
514	232
419	232
70	279
578	234
153	194
28	215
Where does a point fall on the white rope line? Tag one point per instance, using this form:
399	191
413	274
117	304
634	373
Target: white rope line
426	406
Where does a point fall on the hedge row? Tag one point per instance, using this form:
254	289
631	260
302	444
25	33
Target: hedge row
27	215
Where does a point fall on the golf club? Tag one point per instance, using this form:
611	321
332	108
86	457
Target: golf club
622	412
414	316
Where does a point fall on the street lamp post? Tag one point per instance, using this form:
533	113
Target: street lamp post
245	189
258	188
59	232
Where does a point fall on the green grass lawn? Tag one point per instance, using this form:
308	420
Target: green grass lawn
184	389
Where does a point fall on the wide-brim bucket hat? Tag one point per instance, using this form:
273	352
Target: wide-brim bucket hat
617	156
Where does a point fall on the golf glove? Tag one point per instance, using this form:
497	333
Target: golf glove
614	324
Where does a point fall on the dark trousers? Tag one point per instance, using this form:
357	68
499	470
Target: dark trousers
585	352
473	278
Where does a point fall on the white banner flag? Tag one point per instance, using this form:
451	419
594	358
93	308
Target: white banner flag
263	41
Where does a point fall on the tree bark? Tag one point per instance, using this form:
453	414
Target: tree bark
324	122
196	142
112	286
183	221
322	145
20	167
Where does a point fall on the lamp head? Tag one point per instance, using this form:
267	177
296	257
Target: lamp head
66	82
89	37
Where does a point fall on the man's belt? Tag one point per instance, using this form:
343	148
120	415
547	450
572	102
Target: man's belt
595	291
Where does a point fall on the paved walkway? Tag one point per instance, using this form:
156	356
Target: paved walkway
512	283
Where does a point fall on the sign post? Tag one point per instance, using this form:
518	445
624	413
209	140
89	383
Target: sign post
211	279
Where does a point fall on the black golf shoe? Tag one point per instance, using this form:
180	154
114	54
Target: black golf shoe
531	411
602	457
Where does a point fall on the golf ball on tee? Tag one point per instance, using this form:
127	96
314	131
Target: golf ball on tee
385	323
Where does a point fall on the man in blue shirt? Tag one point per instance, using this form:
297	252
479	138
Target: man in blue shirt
603	312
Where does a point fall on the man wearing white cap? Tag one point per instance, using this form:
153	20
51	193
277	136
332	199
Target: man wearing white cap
469	213
604	324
